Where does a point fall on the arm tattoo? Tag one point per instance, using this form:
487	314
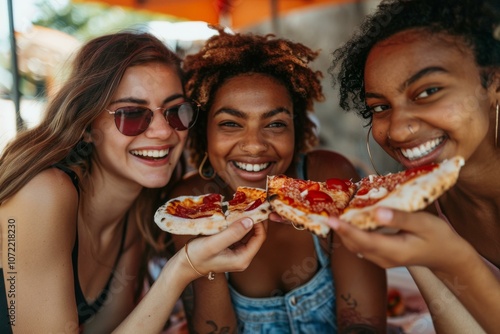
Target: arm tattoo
215	330
351	302
350	320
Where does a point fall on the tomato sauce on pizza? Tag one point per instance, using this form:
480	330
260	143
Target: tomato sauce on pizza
203	206
373	188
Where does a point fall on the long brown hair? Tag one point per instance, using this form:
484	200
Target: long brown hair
59	138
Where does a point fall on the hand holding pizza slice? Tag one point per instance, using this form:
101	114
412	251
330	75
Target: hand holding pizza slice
209	214
309	204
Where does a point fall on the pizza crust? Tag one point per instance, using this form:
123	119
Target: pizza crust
414	195
258	215
312	221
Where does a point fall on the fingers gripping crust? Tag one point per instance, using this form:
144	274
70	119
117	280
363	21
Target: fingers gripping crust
315	223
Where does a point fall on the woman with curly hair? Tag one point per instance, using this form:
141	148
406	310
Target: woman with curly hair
426	76
75	194
256	93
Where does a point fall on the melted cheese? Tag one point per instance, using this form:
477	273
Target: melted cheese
374	193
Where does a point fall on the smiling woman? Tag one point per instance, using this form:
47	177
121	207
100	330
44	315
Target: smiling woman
429	83
90	179
256	94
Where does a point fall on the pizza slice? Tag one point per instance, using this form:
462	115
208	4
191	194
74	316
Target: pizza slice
307	203
248	202
409	190
209	214
192	215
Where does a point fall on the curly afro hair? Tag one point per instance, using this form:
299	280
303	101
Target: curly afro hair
475	22
226	55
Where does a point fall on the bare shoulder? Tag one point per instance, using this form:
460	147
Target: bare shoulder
323	164
42	218
49	187
47	204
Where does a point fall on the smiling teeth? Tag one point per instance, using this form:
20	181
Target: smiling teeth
151	153
422	150
251	167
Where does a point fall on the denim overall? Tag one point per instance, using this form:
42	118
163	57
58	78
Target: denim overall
309	308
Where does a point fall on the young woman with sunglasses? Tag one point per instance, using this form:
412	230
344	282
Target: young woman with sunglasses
426	75
76	193
256	93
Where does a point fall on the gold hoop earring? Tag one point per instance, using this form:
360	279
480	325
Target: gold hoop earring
496	125
206	172
369	151
298	228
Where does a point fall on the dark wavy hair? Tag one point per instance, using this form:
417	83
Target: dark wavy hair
475	22
226	55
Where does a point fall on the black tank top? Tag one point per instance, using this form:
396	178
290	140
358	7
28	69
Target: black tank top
85	310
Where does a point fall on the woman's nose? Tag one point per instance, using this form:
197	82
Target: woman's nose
254	144
159	126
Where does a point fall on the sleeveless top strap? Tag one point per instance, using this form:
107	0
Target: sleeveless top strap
71	174
323	258
85	310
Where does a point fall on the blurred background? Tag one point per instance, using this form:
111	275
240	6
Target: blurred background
45	34
39	37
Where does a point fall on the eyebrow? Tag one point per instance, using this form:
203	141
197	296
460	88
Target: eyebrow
420	74
243	115
142	101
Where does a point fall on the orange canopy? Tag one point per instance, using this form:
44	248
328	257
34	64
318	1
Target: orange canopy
233	13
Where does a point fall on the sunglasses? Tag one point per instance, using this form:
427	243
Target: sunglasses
134	120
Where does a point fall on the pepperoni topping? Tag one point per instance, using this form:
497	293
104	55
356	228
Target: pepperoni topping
212	198
239	197
309	187
362	191
338	184
316	196
209	205
255	204
184	212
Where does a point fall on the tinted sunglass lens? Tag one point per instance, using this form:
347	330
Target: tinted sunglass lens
181	117
132	121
